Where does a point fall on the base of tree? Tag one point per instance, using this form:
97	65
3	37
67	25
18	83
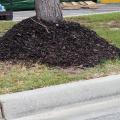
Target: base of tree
63	44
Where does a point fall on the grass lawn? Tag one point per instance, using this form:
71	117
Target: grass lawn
4	26
18	77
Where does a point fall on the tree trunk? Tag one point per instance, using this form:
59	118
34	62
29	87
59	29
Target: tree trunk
48	10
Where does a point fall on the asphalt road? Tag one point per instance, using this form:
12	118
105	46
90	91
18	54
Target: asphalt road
108	8
99	109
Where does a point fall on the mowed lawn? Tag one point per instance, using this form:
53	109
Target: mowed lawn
18	77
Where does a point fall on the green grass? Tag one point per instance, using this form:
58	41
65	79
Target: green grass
18	77
5	25
97	18
113	36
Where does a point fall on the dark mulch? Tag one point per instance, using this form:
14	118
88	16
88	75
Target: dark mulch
63	44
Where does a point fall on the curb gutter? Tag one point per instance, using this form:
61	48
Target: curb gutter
27	103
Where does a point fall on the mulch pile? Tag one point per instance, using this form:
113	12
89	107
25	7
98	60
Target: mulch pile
63	44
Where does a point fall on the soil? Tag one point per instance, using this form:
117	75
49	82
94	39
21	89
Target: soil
63	44
114	24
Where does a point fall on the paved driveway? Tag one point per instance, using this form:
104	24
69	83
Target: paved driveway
103	9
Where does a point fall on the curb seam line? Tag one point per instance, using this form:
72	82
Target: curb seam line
2	111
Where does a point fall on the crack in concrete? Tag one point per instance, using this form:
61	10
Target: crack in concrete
2	111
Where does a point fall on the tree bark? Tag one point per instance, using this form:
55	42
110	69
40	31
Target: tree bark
48	10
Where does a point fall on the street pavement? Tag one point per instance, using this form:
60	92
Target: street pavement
115	116
108	8
99	109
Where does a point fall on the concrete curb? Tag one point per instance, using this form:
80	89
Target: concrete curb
21	104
